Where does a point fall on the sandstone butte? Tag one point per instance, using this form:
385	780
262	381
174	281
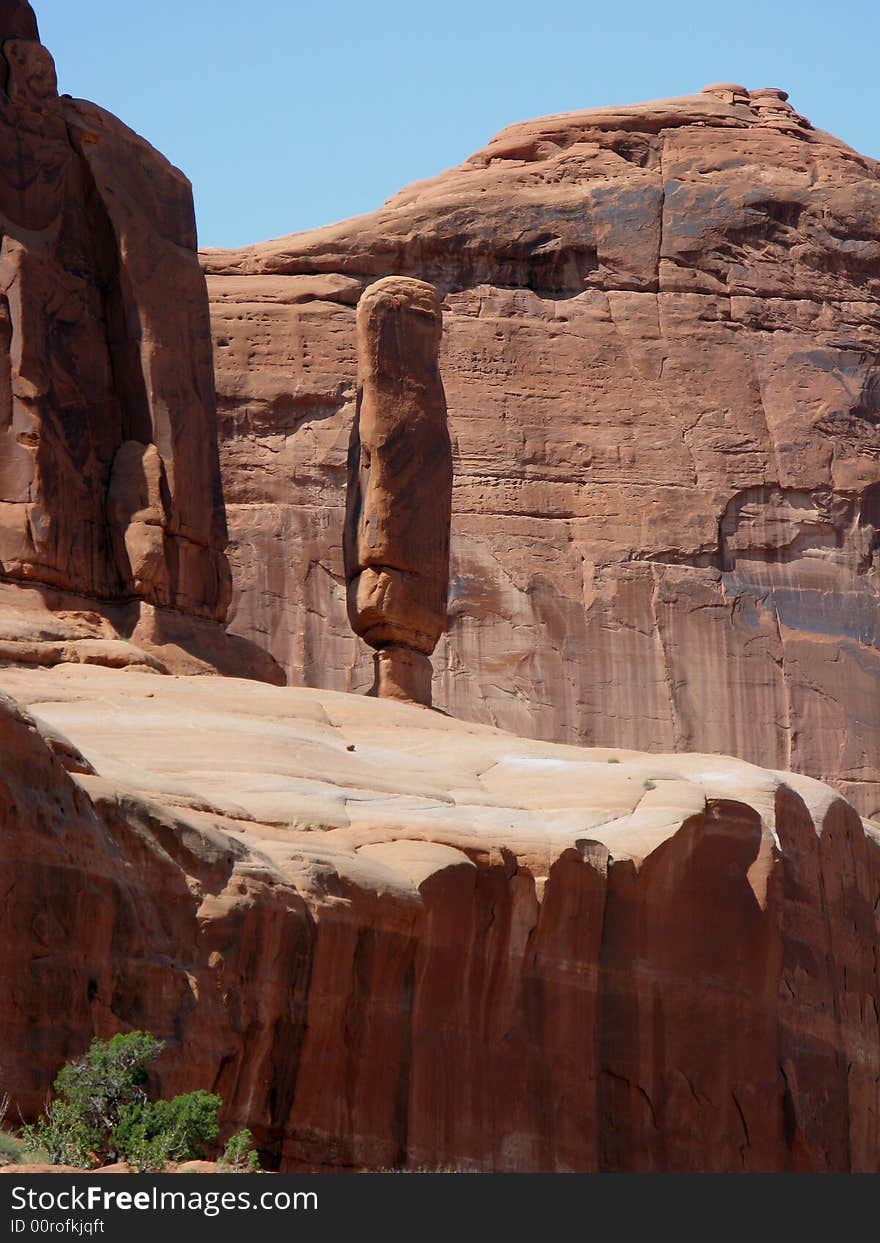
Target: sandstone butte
661	331
390	938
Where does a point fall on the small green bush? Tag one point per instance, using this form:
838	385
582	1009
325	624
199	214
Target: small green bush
11	1149
102	1113
143	1153
178	1128
109	1079
62	1133
191	1120
240	1156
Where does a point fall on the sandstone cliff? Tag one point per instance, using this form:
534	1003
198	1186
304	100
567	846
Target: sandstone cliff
110	493
662	325
388	938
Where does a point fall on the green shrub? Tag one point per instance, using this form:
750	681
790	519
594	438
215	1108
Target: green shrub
178	1127
102	1113
144	1153
191	1120
240	1156
11	1149
108	1080
63	1135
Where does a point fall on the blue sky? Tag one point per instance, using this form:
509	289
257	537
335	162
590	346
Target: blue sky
288	114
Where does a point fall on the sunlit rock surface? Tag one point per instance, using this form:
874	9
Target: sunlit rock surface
662	325
392	939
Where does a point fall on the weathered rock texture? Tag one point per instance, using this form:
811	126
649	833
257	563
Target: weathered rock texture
399	495
389	938
110	488
661	333
17	20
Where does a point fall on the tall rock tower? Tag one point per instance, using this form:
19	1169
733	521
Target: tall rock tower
109	475
399	499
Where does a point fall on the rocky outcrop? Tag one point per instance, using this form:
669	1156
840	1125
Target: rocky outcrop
391	939
17	20
396	541
661	326
110	489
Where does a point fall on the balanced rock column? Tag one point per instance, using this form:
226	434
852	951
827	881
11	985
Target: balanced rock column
399	501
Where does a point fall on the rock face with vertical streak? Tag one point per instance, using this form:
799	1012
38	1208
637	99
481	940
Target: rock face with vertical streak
399	494
661	334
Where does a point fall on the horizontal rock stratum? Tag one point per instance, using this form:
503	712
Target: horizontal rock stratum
392	939
662	326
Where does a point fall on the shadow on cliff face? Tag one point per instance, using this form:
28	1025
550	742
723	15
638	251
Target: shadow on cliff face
752	1046
104	920
45	626
173	636
829	1061
83	925
687	1041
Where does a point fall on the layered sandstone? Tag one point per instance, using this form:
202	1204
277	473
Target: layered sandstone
391	939
110	494
661	331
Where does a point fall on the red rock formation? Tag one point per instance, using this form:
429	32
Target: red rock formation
386	937
667	963
660	343
17	20
106	355
110	492
396	543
